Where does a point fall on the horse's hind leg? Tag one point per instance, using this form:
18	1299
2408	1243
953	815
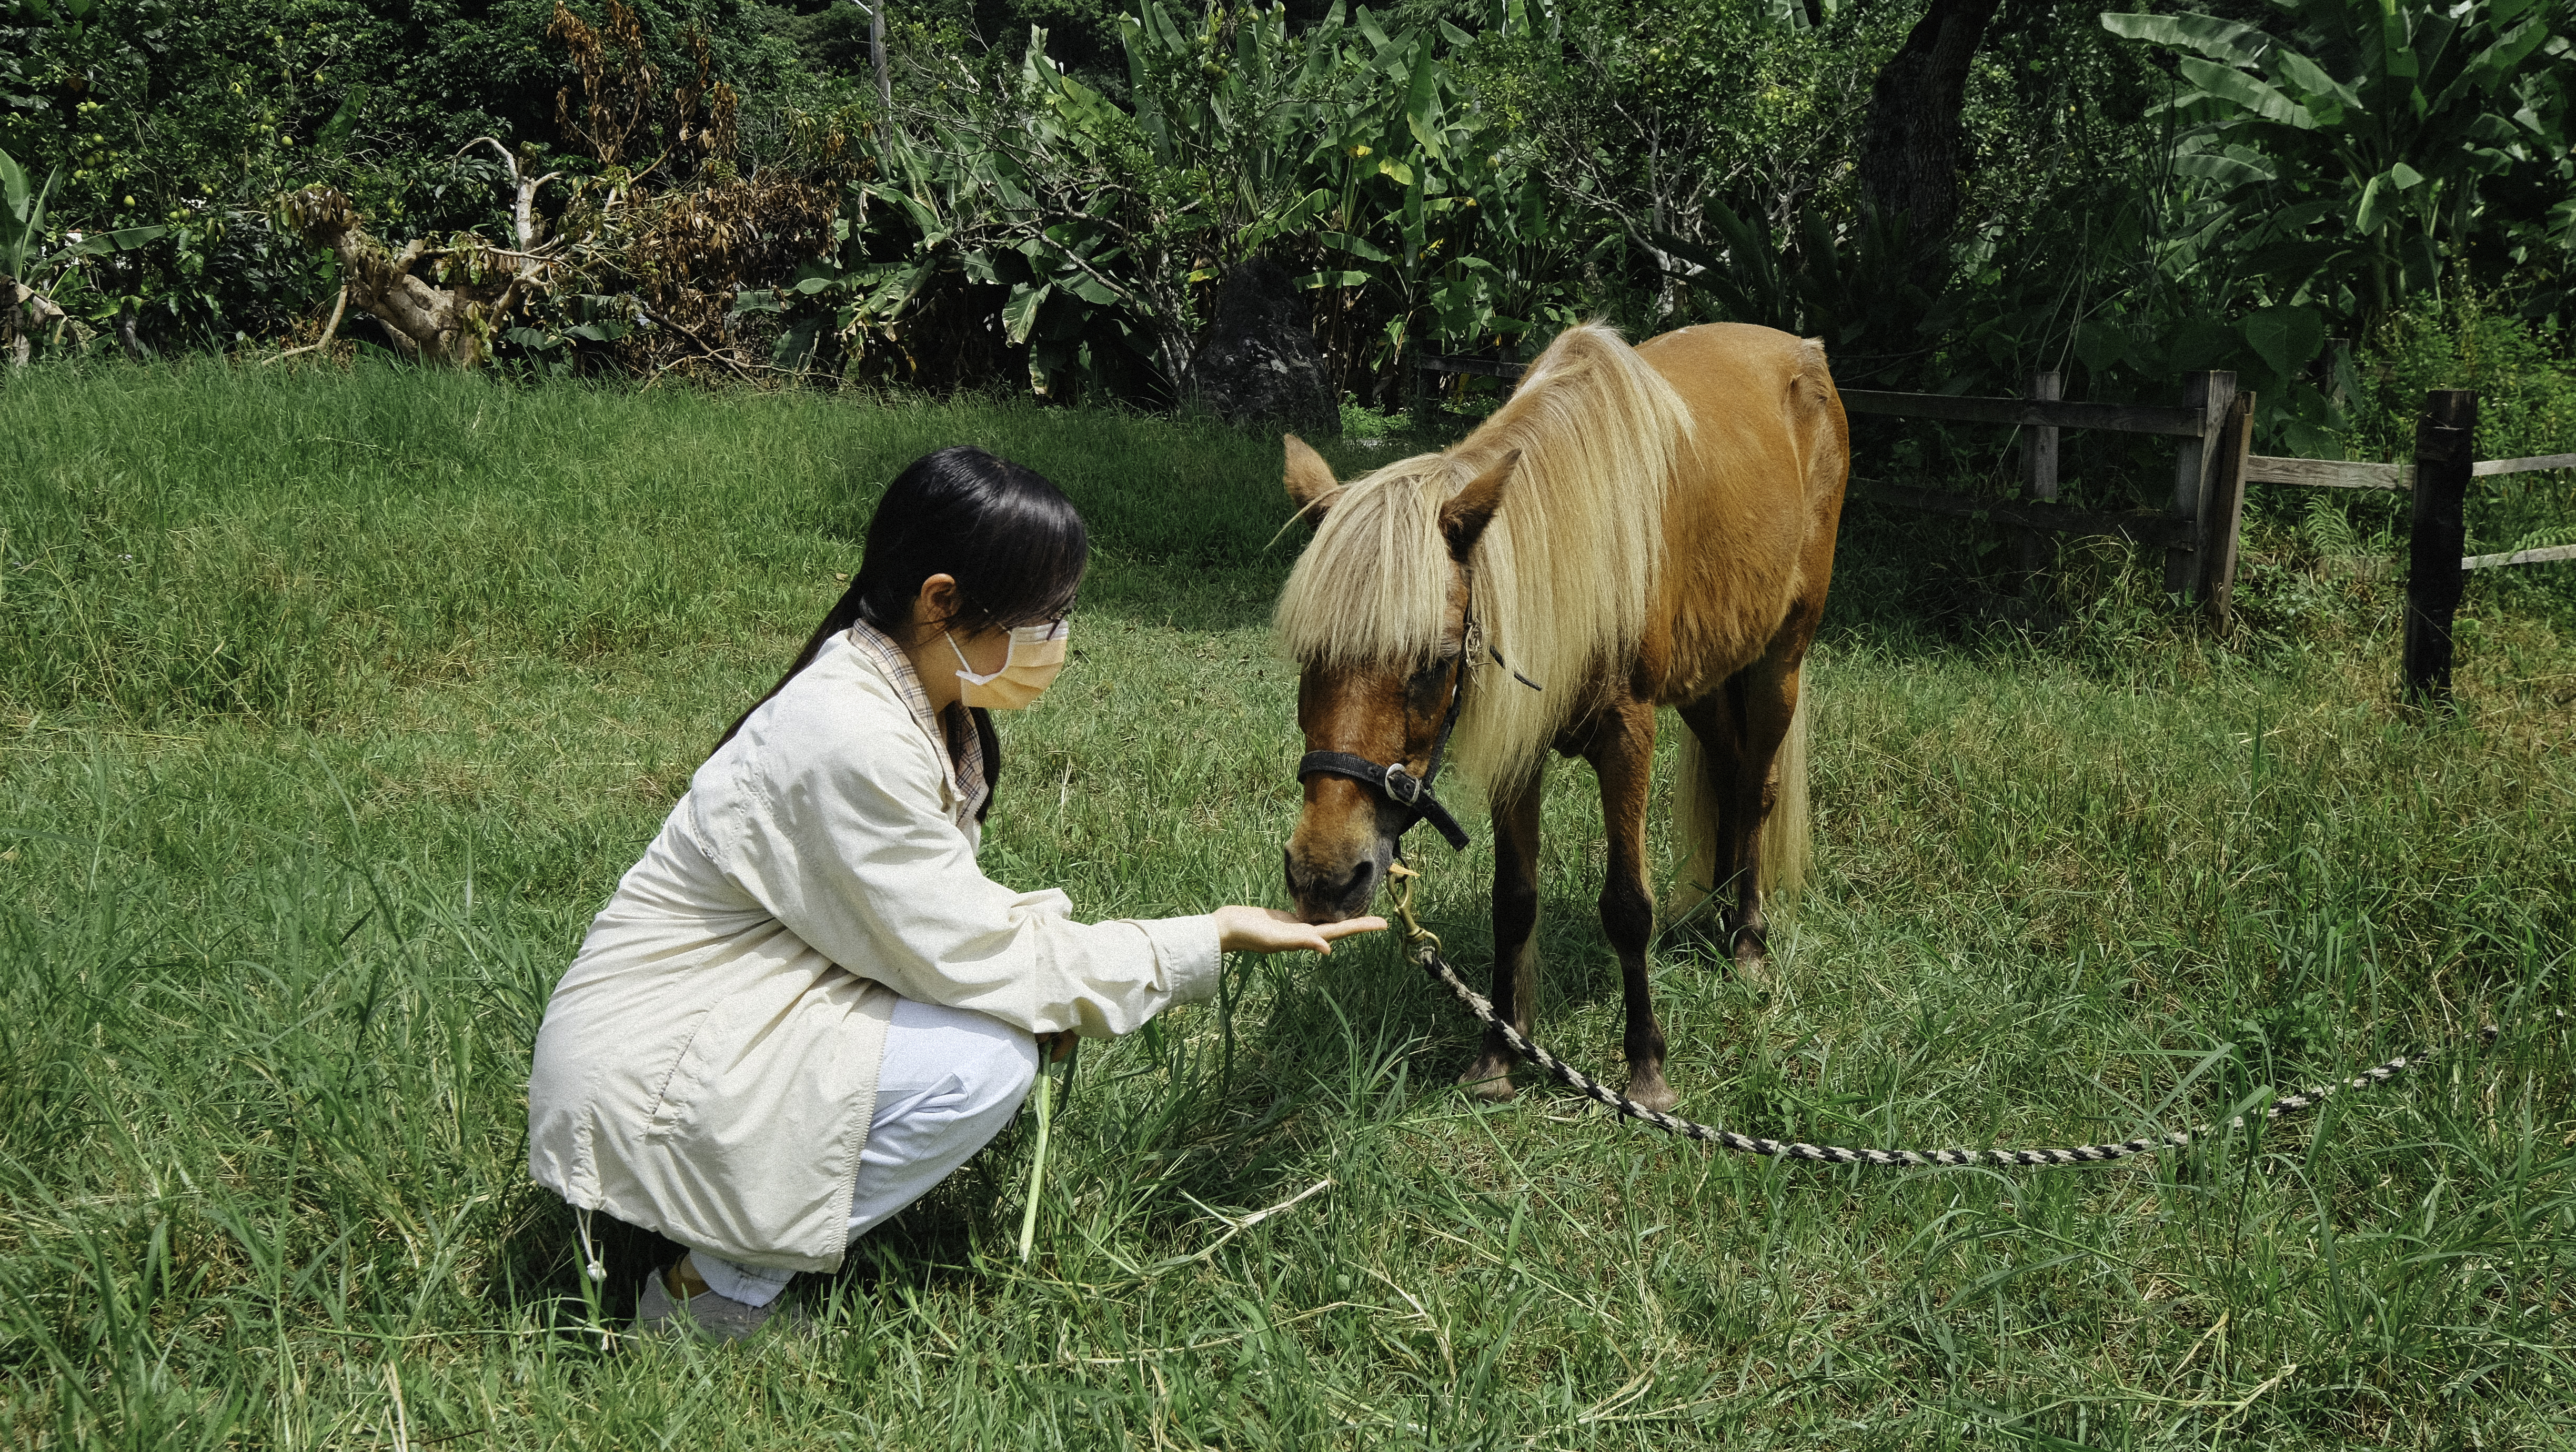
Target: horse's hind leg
1717	719
1622	753
1766	696
1741	726
1515	988
1770	704
1706	794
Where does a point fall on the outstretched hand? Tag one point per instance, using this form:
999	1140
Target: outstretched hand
1267	930
1250	930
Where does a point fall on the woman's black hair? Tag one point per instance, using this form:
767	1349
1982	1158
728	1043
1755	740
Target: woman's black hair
1010	538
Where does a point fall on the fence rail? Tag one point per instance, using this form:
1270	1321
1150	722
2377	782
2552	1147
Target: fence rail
2327	473
2028	412
2487	468
2540	556
2343	474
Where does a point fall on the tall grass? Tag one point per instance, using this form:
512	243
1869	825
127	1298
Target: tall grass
307	804
214	541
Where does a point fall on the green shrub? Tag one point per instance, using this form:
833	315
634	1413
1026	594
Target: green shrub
2525	378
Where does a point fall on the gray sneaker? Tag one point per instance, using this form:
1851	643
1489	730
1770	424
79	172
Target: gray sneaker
708	1315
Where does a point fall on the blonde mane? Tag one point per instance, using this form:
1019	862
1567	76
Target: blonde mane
1563	577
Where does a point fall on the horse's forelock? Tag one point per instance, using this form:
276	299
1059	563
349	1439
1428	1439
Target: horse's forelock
1372	588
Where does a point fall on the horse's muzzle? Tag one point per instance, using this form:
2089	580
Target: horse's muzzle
1328	896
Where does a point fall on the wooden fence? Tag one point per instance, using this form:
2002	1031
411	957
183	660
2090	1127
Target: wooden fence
2437	529
2213	462
2197	528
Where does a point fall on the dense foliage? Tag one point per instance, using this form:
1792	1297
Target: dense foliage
1061	185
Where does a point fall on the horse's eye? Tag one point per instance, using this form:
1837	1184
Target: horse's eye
1431	679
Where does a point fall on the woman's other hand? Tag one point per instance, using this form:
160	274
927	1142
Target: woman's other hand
1268	930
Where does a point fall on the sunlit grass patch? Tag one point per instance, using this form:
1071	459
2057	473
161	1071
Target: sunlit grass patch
307	806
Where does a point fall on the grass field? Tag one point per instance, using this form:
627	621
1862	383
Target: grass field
332	705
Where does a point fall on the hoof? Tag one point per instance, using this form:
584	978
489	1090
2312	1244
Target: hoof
1751	950
1490	1082
1649	1090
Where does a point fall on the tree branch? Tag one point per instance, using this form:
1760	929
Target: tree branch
328	329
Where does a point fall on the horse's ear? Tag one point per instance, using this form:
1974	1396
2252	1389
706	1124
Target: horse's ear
1464	517
1310	479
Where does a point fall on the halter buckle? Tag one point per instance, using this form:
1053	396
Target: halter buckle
1402	786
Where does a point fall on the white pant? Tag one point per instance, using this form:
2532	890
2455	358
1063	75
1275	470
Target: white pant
951	1079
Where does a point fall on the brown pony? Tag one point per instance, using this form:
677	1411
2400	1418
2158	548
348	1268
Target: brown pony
1636	528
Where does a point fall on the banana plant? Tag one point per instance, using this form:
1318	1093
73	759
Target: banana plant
2360	151
32	270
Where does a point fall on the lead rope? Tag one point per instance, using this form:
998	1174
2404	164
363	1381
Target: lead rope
1425	947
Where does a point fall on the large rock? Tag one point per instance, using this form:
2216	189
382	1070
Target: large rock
1257	362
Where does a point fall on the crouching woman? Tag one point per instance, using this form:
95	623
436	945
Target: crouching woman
807	1004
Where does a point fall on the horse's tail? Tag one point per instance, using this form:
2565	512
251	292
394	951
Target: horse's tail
1785	850
1782	854
1695	821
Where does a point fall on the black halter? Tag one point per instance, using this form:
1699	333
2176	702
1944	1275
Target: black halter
1390	778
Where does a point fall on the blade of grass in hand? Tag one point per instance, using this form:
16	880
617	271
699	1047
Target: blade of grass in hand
1037	1162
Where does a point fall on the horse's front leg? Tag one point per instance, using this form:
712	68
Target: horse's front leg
1515	987
1622	753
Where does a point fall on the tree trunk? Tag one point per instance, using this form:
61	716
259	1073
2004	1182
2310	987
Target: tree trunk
1909	158
451	323
523	207
877	58
23	314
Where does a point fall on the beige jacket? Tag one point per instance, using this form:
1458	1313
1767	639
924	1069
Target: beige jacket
707	1067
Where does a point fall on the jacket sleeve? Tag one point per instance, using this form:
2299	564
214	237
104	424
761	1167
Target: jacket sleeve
832	819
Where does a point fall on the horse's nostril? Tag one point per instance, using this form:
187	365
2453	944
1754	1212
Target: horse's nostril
1359	882
1306	885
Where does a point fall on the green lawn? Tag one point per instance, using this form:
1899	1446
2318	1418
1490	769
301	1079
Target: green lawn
332	705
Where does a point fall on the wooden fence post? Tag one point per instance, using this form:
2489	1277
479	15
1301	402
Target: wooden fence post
2195	471
2226	514
2444	446
2039	472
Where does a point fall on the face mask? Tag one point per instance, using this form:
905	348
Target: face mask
1037	653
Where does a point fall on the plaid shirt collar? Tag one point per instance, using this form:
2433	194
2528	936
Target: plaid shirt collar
957	734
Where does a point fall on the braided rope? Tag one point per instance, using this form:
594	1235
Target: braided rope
1427	953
